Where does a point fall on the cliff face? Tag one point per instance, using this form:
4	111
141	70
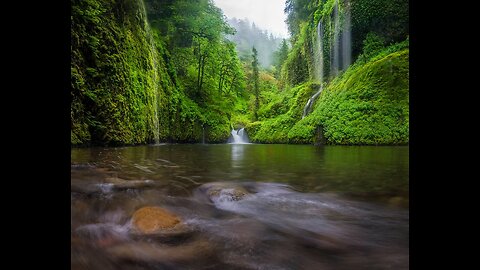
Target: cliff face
119	83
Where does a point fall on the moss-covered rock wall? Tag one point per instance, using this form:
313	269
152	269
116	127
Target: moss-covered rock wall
118	80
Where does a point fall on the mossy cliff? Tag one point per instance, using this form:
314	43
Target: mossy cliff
358	51
368	104
118	79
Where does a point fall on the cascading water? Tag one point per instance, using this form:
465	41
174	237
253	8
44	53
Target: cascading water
335	59
346	38
154	62
154	56
318	67
238	137
340	49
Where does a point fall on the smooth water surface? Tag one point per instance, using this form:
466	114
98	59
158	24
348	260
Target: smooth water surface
306	207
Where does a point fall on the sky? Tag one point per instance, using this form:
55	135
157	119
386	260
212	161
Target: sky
266	14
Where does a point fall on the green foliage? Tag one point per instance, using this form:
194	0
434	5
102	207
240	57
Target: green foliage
176	76
387	18
280	56
284	111
114	74
295	69
133	83
371	45
247	35
368	104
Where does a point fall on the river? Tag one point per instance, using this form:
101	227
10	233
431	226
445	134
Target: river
305	207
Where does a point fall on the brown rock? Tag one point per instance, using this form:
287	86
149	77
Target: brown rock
153	219
231	192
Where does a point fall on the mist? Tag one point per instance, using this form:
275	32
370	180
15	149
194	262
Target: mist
247	35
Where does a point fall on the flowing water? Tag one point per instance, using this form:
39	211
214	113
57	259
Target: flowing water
300	206
318	67
346	38
238	136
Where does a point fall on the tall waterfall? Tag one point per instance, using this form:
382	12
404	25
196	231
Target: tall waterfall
340	49
238	137
156	82
156	130
318	53
346	38
334	55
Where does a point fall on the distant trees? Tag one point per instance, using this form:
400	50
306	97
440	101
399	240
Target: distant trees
297	12
248	35
255	82
280	56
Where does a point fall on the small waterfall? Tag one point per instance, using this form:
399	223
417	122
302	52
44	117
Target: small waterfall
308	107
203	135
238	137
156	84
156	131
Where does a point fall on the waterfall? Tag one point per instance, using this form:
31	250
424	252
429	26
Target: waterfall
156	130
318	67
341	46
238	137
308	107
334	55
346	38
340	49
155	67
156	82
203	135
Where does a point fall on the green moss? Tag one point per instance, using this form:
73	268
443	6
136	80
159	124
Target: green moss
366	105
288	109
117	76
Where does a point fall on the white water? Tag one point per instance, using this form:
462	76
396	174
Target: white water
334	55
346	39
153	58
318	67
156	130
340	49
238	137
308	106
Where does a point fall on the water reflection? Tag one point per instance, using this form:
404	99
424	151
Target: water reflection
249	207
237	155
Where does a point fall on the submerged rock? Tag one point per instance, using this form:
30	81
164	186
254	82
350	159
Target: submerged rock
120	184
153	219
110	184
224	191
153	252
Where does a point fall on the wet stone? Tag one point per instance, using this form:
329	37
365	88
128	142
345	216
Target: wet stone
224	191
153	219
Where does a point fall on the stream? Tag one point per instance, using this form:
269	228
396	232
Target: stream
246	206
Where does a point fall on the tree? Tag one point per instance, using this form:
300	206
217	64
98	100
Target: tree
280	56
255	82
